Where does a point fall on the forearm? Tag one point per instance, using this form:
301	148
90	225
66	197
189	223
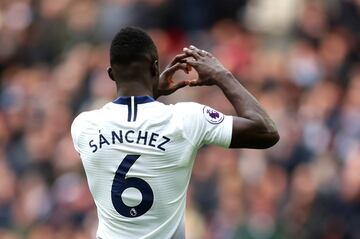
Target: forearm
253	128
245	104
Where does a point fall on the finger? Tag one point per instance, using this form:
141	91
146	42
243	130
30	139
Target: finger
192	53
178	85
188	68
193	83
191	62
178	58
197	50
176	67
207	53
200	52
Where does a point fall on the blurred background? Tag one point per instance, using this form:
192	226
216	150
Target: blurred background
300	58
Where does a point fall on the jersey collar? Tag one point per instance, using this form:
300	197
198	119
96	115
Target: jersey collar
124	100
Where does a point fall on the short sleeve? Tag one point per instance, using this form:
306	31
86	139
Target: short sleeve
75	132
205	125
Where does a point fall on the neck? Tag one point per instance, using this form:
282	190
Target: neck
133	89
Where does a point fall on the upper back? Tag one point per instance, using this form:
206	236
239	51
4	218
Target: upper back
138	155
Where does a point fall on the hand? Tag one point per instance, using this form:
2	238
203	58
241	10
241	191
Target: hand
166	84
209	69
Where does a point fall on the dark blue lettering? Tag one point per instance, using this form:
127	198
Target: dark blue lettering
102	140
166	140
140	137
92	145
119	136
127	134
153	138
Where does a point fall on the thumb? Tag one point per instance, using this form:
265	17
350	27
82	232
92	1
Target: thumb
178	85
194	82
178	66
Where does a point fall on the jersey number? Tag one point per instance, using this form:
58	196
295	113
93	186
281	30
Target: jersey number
120	184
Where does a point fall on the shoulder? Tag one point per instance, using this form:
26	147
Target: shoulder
83	119
82	123
188	106
186	110
85	116
192	109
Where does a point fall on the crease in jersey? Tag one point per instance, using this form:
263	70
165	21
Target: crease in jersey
132	104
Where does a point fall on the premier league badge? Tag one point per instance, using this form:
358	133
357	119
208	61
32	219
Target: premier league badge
213	116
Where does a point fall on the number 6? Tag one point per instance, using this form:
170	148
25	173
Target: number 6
120	184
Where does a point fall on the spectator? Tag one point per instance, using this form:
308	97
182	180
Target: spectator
300	58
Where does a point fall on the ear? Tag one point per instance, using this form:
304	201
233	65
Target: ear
155	68
110	73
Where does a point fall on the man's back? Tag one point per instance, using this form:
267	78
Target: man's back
138	155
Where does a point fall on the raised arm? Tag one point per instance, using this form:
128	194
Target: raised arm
252	127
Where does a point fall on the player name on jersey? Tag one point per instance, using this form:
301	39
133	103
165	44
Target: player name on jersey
129	136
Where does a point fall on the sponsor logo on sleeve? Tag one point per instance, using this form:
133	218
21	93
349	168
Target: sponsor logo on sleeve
213	116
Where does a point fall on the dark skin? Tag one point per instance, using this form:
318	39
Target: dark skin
252	126
146	79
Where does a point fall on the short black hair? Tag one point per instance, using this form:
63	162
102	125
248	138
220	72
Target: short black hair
132	44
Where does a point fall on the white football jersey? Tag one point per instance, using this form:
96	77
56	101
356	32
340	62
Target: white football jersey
138	155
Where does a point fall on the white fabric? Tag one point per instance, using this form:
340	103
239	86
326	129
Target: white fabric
166	167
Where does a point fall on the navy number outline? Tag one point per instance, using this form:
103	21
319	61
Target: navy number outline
121	183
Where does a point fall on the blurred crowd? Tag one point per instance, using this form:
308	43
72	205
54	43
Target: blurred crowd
300	58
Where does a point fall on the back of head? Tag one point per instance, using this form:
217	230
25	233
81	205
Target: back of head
132	45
